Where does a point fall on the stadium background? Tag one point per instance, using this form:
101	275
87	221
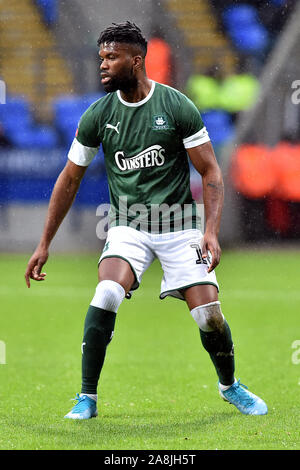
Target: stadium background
238	61
235	61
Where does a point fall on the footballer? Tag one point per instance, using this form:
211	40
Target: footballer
149	132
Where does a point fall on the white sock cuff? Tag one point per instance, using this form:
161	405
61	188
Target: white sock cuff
93	397
223	388
108	296
202	313
216	302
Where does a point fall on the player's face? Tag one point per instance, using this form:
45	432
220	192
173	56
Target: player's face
117	67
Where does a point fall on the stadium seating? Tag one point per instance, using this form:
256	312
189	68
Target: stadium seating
253	39
37	137
49	10
219	126
197	30
20	128
240	16
22	131
90	98
67	112
15	114
245	29
32	63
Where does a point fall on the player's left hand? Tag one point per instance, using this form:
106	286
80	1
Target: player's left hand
210	244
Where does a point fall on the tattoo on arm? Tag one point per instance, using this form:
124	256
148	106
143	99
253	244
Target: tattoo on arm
217	186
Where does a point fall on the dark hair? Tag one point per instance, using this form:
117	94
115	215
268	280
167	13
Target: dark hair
127	32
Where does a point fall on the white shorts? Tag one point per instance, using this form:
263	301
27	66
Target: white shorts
179	254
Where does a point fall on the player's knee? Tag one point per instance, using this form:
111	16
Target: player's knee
209	317
108	296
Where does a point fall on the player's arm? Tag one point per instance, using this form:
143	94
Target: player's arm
62	197
83	149
204	161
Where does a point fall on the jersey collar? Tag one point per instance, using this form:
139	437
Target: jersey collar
138	103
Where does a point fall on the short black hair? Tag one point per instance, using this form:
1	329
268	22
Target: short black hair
127	32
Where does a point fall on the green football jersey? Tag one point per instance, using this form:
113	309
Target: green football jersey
144	144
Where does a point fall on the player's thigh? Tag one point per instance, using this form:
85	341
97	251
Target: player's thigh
125	257
118	270
186	273
200	295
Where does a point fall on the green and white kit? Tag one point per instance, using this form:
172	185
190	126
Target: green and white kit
147	166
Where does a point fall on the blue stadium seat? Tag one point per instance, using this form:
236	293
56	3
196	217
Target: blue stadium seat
19	126
68	110
67	103
216	118
15	113
240	16
38	137
90	98
245	30
251	40
219	126
49	10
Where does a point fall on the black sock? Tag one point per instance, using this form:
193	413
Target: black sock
98	329
219	345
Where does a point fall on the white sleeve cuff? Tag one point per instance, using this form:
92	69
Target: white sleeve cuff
80	154
199	138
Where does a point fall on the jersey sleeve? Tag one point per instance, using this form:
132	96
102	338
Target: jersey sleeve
193	131
87	140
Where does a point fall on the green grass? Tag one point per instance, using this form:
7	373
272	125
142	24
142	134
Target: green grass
158	387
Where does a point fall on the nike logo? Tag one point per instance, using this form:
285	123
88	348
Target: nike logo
83	344
110	126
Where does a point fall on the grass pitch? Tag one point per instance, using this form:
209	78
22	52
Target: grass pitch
158	387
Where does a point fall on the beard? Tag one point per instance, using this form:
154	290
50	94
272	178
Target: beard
125	83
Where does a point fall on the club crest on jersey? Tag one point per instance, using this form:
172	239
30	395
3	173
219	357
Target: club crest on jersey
160	122
150	157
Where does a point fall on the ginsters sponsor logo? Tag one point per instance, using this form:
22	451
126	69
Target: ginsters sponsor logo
150	157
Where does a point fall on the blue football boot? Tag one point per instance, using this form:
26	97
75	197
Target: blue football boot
245	401
85	408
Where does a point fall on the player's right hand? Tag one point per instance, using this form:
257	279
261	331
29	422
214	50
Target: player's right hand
34	266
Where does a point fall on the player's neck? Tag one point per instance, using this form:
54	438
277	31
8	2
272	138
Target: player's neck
139	92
